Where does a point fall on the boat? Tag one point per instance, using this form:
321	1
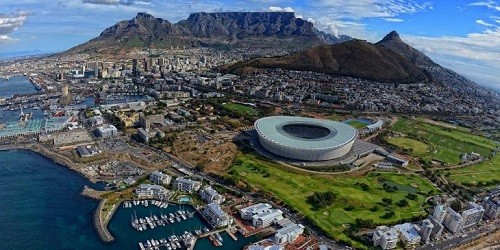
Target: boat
219	237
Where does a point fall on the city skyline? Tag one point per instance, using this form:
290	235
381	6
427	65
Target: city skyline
463	36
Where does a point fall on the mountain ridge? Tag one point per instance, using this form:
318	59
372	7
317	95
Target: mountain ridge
208	29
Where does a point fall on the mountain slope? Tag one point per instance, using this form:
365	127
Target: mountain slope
353	58
238	29
394	42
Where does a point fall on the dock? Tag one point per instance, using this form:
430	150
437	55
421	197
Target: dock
230	232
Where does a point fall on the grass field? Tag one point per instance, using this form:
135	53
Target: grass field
485	174
240	109
293	188
414	147
448	143
356	124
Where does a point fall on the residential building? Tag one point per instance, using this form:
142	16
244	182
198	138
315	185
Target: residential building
160	178
216	216
452	221
439	213
148	191
288	233
492	207
144	135
472	215
426	230
385	237
267	217
247	212
408	234
186	185
210	195
437	229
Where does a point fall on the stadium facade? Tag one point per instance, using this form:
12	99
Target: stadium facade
305	139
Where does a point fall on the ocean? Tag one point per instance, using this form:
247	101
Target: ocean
42	208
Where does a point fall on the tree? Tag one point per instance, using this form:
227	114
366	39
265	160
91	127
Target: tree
456	205
387	201
402	203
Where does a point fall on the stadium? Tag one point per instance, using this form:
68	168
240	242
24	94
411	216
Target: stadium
305	139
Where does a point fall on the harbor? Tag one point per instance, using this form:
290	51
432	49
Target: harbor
161	222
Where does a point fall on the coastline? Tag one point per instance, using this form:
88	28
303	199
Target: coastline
100	226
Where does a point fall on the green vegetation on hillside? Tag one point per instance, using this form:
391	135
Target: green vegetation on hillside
355	198
447	144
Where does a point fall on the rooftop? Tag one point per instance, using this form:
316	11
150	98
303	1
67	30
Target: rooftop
327	134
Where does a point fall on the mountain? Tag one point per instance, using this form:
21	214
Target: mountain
354	58
436	72
394	42
223	29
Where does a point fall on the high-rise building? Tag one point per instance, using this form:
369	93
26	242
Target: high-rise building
452	221
437	229
439	213
472	215
135	70
492	207
426	230
385	237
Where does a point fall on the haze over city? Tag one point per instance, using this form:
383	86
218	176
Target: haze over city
461	35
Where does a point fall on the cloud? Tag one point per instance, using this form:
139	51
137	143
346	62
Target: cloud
479	21
116	2
280	9
468	55
392	19
10	23
494	5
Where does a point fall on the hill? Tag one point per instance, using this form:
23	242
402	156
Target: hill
354	58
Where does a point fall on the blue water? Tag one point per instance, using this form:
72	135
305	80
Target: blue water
41	208
16	85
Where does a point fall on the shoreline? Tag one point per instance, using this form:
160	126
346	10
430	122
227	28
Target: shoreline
100	227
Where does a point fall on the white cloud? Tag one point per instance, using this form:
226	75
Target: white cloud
10	23
116	2
476	55
392	19
479	21
280	9
494	5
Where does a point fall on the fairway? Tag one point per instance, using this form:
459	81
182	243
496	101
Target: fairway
485	174
294	187
447	144
412	146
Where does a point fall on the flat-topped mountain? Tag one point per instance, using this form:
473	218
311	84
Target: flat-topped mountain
239	29
354	58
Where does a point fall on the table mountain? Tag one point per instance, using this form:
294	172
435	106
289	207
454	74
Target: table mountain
229	29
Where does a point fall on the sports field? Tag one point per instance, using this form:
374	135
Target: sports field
356	124
485	174
365	202
447	144
240	109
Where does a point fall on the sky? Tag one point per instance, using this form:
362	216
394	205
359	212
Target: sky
458	34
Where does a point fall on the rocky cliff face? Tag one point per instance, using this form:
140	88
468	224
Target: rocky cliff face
210	29
393	41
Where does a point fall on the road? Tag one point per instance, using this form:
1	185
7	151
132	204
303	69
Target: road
457	241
